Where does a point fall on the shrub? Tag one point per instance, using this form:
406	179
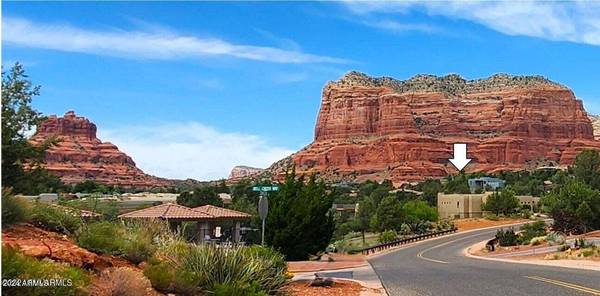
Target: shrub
555	238
204	267
531	230
238	289
160	275
537	240
387	236
507	238
14	209
55	218
18	266
563	248
124	281
102	237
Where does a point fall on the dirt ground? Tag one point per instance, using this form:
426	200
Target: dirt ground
328	262
340	288
476	223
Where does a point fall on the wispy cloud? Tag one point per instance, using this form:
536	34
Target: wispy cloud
192	149
142	44
553	20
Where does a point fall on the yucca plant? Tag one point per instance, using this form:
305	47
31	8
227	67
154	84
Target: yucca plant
210	266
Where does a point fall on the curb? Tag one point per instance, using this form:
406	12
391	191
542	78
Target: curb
549	263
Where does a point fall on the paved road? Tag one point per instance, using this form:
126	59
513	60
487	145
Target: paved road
438	267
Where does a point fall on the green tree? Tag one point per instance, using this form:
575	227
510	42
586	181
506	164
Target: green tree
21	160
199	197
504	202
300	220
417	213
570	206
457	184
587	168
389	214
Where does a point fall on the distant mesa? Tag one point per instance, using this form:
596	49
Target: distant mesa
240	172
79	155
383	128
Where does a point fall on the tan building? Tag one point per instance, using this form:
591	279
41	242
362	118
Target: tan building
469	205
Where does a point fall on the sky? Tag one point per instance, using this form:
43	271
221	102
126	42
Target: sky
191	89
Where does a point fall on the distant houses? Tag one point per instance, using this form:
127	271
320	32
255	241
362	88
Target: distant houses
458	205
485	184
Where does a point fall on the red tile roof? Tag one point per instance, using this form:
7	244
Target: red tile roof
219	212
175	211
167	211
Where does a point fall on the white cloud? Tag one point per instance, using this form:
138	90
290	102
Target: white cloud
159	44
553	20
192	150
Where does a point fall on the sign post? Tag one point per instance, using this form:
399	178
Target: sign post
263	205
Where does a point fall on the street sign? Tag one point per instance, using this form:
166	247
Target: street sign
265	188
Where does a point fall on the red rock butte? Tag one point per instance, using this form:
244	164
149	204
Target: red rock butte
79	155
383	128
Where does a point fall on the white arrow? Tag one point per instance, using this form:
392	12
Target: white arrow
460	159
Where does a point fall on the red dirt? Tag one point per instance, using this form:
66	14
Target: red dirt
340	288
39	243
476	223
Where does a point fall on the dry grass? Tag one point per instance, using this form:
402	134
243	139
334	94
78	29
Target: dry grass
122	281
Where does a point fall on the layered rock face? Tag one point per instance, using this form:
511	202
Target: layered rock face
383	128
240	172
596	125
79	155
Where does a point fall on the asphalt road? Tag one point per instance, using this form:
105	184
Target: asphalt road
438	267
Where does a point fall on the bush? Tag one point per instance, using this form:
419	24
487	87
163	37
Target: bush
563	248
124	281
159	274
55	218
14	209
531	230
18	266
507	238
102	237
387	236
555	238
537	240
208	268
238	289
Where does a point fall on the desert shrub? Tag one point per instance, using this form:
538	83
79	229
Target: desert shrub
238	289
124	281
538	240
507	238
14	209
160	274
588	252
531	230
102	237
492	217
555	238
387	236
18	266
563	248
204	267
55	218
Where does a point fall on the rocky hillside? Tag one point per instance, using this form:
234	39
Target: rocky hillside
403	130
241	171
79	155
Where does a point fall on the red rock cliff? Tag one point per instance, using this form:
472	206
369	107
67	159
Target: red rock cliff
79	155
382	128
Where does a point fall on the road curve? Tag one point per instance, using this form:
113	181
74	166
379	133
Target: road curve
438	267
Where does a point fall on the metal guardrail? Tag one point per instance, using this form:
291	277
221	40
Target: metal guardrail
381	247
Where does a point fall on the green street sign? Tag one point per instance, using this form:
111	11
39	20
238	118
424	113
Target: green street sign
265	188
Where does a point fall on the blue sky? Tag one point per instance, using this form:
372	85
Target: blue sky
191	89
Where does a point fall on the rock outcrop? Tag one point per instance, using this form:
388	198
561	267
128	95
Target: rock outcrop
240	172
383	128
79	155
595	119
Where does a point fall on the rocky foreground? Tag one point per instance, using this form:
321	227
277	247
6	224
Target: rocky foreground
383	128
